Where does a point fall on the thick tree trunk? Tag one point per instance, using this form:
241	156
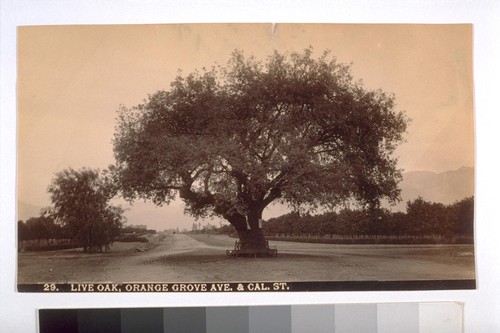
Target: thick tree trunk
250	231
252	239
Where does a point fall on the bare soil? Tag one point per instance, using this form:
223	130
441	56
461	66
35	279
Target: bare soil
202	258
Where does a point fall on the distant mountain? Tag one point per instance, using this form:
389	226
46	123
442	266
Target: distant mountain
444	187
26	210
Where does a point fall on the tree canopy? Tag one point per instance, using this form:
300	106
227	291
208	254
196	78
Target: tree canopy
230	140
423	222
81	205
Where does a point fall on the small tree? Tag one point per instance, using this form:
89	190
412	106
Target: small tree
80	200
230	141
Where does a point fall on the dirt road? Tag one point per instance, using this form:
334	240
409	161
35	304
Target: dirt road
201	258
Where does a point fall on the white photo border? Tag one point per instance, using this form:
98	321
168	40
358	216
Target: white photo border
19	310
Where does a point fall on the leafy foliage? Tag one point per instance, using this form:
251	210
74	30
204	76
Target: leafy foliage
42	233
423	220
233	139
41	227
80	200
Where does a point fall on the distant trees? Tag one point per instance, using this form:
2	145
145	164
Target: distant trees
462	215
423	220
42	232
80	201
425	217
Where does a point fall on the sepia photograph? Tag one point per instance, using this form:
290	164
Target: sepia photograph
245	157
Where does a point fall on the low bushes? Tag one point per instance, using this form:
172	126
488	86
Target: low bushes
131	238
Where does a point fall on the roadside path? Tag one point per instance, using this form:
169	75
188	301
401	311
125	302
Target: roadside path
202	258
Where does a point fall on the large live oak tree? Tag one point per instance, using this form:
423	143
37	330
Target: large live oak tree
231	140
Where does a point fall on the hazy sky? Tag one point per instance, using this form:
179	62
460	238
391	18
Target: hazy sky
72	79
